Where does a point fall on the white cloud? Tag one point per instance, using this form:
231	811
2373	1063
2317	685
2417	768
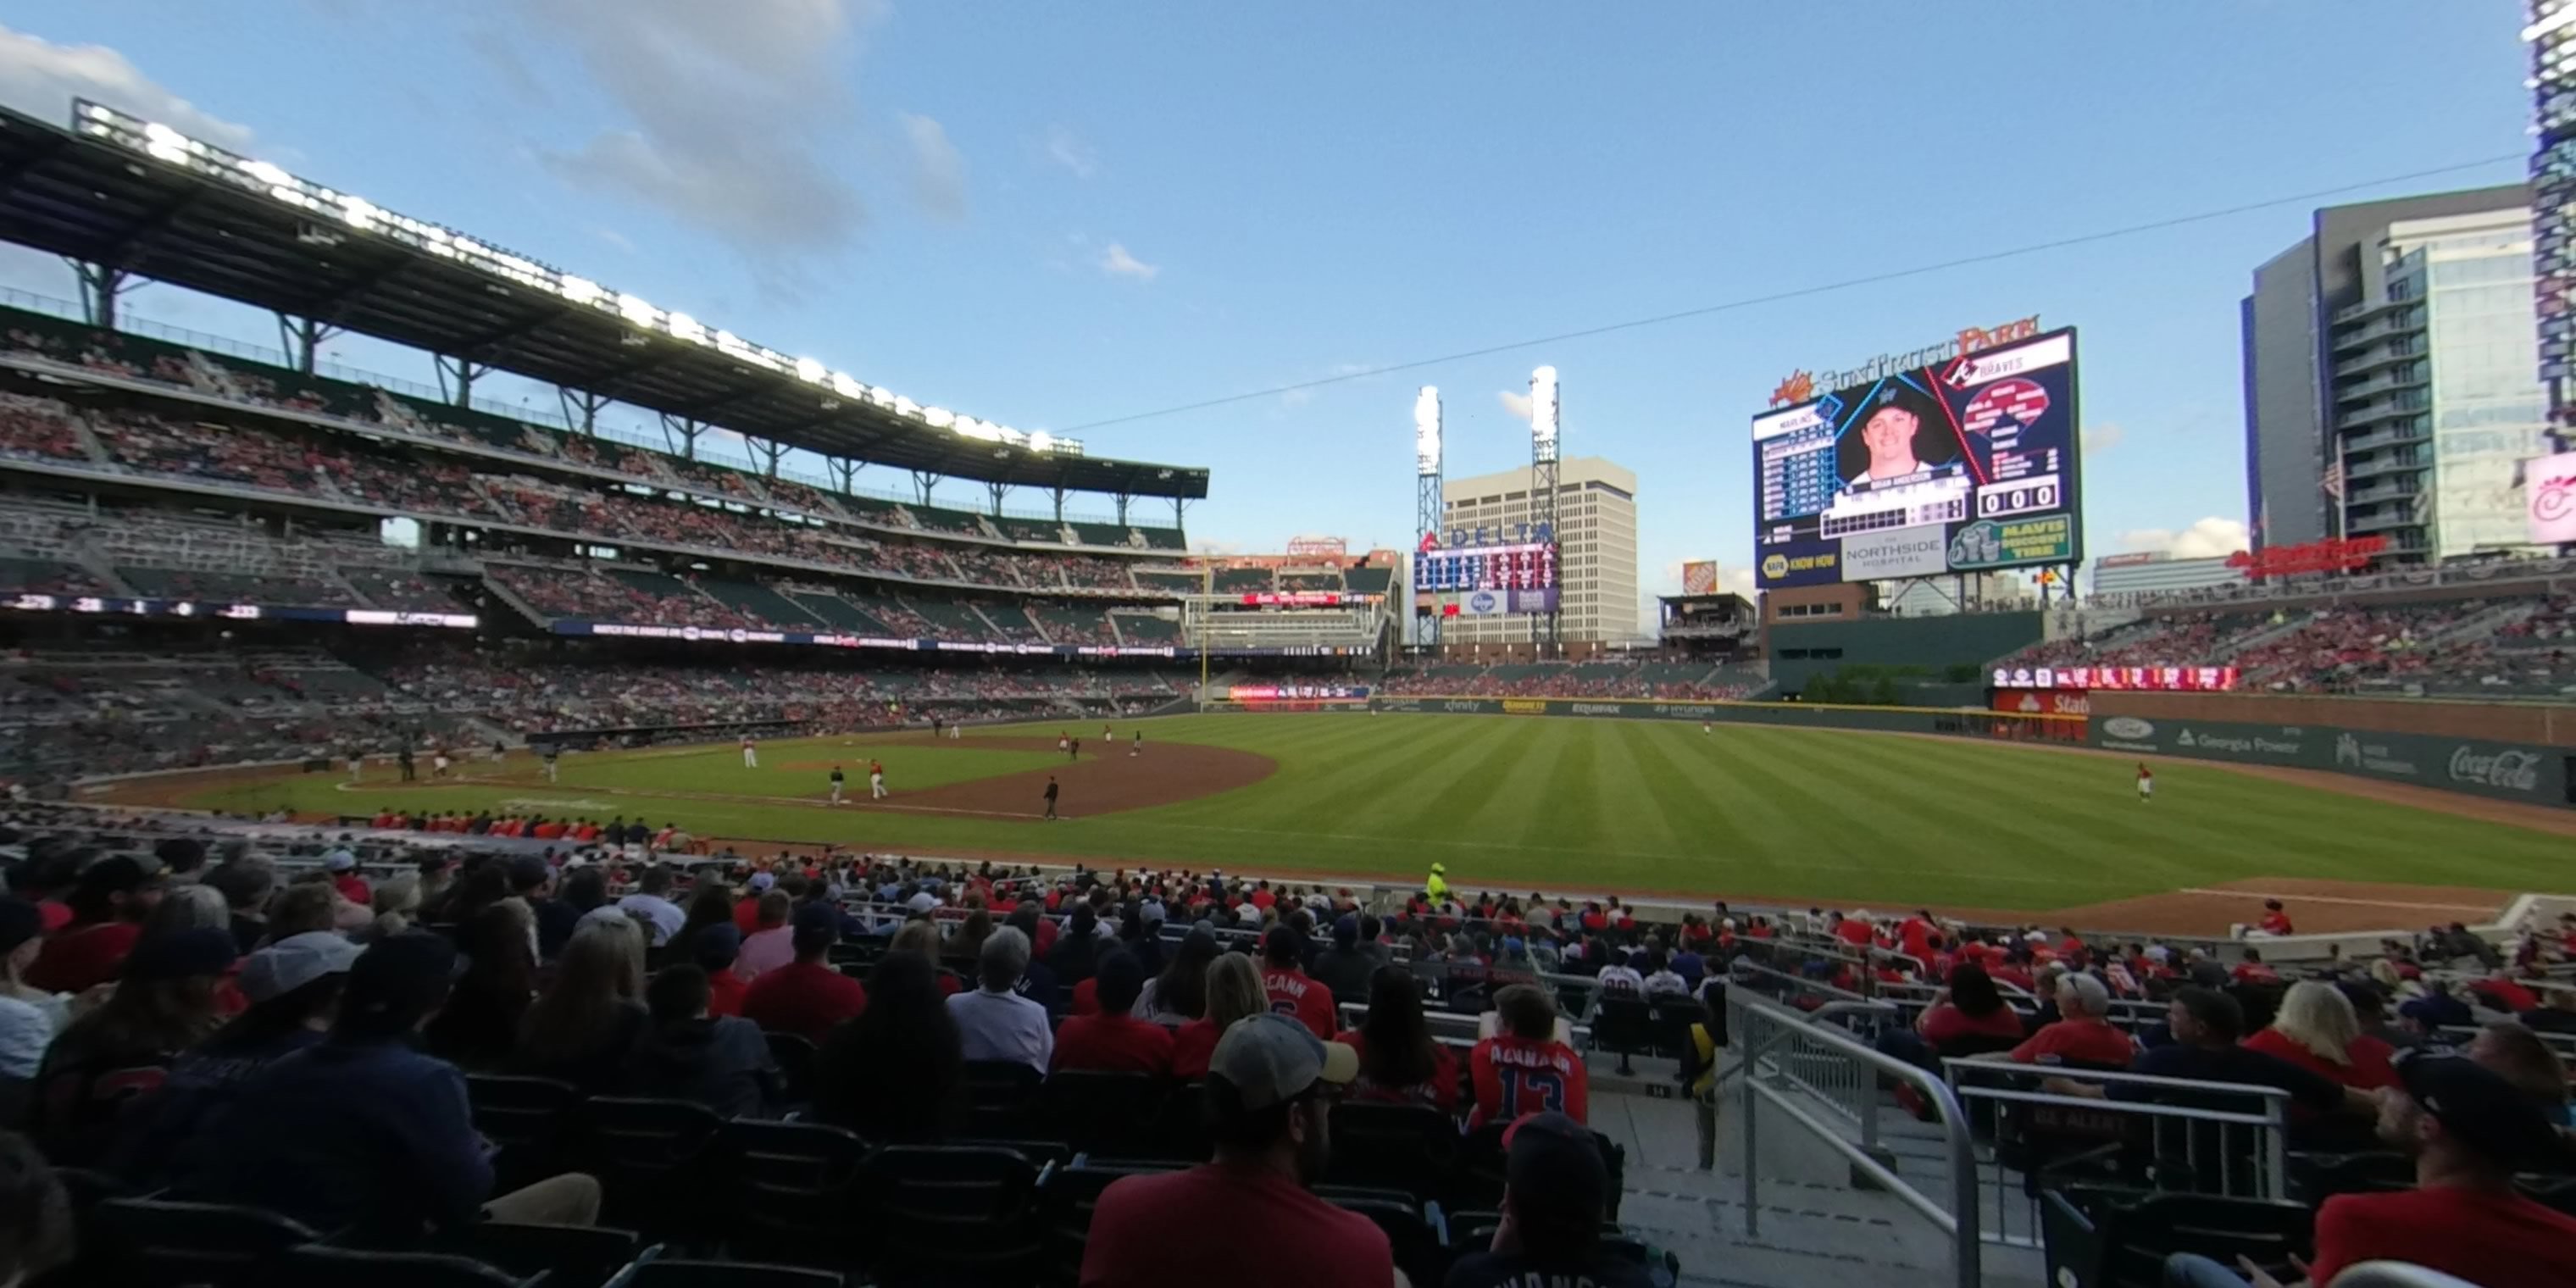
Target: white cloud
730	109
1065	149
2103	437
42	78
1116	262
1516	404
938	172
2209	538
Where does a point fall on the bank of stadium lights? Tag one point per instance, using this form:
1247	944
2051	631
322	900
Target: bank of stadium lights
1543	412
170	147
1426	432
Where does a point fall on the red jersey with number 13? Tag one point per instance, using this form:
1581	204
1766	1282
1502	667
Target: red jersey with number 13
1516	1077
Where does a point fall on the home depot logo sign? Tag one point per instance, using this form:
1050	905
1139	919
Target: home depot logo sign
1801	386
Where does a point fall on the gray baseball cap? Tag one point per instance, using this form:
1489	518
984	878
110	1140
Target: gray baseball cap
1271	1059
293	962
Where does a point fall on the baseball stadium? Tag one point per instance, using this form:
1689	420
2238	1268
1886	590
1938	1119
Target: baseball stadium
351	633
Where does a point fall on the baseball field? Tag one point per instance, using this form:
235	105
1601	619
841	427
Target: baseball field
1661	808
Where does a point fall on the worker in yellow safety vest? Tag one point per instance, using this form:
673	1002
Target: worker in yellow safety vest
1437	888
1699	1075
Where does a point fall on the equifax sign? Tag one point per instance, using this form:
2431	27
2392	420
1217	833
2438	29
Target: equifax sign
1801	386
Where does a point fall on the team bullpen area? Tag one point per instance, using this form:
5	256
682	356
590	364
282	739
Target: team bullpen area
1800	815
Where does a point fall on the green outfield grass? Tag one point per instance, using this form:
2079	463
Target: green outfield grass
1585	804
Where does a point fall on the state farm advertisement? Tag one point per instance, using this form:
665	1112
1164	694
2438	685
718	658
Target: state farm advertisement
2044	702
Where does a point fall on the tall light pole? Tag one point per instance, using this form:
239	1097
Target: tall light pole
1426	505
1543	511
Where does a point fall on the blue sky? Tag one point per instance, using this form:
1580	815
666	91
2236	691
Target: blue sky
1052	215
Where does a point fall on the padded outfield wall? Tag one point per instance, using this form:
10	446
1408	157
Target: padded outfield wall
1965	722
2507	751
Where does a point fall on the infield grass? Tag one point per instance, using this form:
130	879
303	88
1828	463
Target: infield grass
1575	804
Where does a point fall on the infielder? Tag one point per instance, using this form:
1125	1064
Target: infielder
837	784
876	780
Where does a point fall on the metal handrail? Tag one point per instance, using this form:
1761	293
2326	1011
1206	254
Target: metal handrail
1755	1027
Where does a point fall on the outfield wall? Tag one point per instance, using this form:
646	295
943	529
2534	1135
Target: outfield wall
2513	751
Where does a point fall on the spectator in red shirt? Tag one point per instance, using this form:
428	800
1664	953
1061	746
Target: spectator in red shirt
1233	992
2252	970
2503	993
2275	921
716	947
1399	1062
109	903
1853	930
1114	1040
807	996
1968	1015
1267	1110
746	911
2317	1030
2469	1132
1284	979
1524	1069
2081	1036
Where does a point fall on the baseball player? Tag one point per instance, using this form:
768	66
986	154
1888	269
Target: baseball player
876	780
837	784
1138	747
2146	783
357	764
438	764
1050	796
550	754
750	753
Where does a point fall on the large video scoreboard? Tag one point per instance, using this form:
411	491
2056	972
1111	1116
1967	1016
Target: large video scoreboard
1966	465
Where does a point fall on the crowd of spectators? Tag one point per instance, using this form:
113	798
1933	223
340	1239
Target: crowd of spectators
1666	681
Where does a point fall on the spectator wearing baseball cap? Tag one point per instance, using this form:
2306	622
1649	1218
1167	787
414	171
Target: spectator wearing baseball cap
807	996
342	864
29	1017
1556	1188
365	1131
109	904
1270	1091
746	910
2469	1131
293	987
716	949
164	1005
245	883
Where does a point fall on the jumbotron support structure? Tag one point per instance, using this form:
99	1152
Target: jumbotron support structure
1548	632
1426	505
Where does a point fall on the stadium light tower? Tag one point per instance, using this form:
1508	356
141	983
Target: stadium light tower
1426	506
1543	423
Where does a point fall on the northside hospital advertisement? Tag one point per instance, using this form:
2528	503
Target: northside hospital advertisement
1967	464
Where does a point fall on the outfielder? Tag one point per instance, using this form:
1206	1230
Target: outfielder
750	753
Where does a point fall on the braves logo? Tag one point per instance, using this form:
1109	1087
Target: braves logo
2554	499
2006	404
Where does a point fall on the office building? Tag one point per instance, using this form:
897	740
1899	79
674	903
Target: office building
2551	33
1596	509
2391	377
